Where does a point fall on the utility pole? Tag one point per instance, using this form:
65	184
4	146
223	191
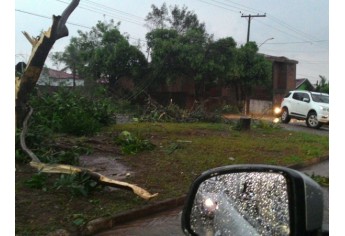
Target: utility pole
249	19
246	102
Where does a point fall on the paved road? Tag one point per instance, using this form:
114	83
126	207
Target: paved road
168	223
296	125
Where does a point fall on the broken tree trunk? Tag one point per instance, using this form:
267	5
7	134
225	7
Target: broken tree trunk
24	87
40	50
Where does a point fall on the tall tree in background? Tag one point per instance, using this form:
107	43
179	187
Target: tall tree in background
252	70
221	65
177	43
323	86
71	57
158	17
182	20
105	54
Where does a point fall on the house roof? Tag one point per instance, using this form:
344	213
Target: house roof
300	82
280	59
59	74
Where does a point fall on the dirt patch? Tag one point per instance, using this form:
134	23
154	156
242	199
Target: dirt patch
106	165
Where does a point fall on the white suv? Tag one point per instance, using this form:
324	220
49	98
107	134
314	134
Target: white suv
313	107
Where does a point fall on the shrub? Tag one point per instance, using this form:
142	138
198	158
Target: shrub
131	144
78	184
69	111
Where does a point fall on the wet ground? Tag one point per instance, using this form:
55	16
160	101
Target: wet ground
168	223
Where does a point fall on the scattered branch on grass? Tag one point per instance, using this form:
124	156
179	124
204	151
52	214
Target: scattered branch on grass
68	169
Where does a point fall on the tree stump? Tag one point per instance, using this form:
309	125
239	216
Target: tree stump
245	123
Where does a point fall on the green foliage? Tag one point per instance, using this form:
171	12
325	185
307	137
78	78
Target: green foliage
79	219
252	69
131	144
78	184
37	181
62	111
103	53
323	85
261	124
68	157
321	180
70	112
230	109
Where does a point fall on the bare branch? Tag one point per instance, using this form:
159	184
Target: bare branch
68	169
61	27
22	137
31	39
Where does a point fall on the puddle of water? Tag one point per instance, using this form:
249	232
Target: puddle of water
106	165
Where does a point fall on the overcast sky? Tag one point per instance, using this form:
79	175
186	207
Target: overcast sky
300	29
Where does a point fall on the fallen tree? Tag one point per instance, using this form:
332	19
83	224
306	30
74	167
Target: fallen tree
25	85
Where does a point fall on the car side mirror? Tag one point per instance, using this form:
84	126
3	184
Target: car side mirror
253	200
306	100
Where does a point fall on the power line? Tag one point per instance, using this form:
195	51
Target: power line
302	42
70	23
219	6
245	8
113	9
104	12
276	20
46	17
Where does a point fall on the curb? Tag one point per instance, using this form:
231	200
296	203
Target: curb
101	224
309	163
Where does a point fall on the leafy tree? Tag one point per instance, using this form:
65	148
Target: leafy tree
71	57
182	20
252	69
104	53
177	44
323	86
220	57
158	17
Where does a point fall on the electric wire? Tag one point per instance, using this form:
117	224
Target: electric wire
300	34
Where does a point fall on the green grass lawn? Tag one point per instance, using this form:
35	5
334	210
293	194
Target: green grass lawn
182	152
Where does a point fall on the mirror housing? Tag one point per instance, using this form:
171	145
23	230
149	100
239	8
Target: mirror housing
305	197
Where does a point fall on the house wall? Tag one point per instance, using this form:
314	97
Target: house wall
284	80
59	82
46	79
260	107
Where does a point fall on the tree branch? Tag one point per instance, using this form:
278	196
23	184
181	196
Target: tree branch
68	169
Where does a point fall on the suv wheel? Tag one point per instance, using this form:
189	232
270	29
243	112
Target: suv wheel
312	121
285	116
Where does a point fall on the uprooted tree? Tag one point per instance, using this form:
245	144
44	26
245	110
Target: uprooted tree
25	85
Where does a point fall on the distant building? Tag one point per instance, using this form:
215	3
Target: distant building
304	84
54	78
